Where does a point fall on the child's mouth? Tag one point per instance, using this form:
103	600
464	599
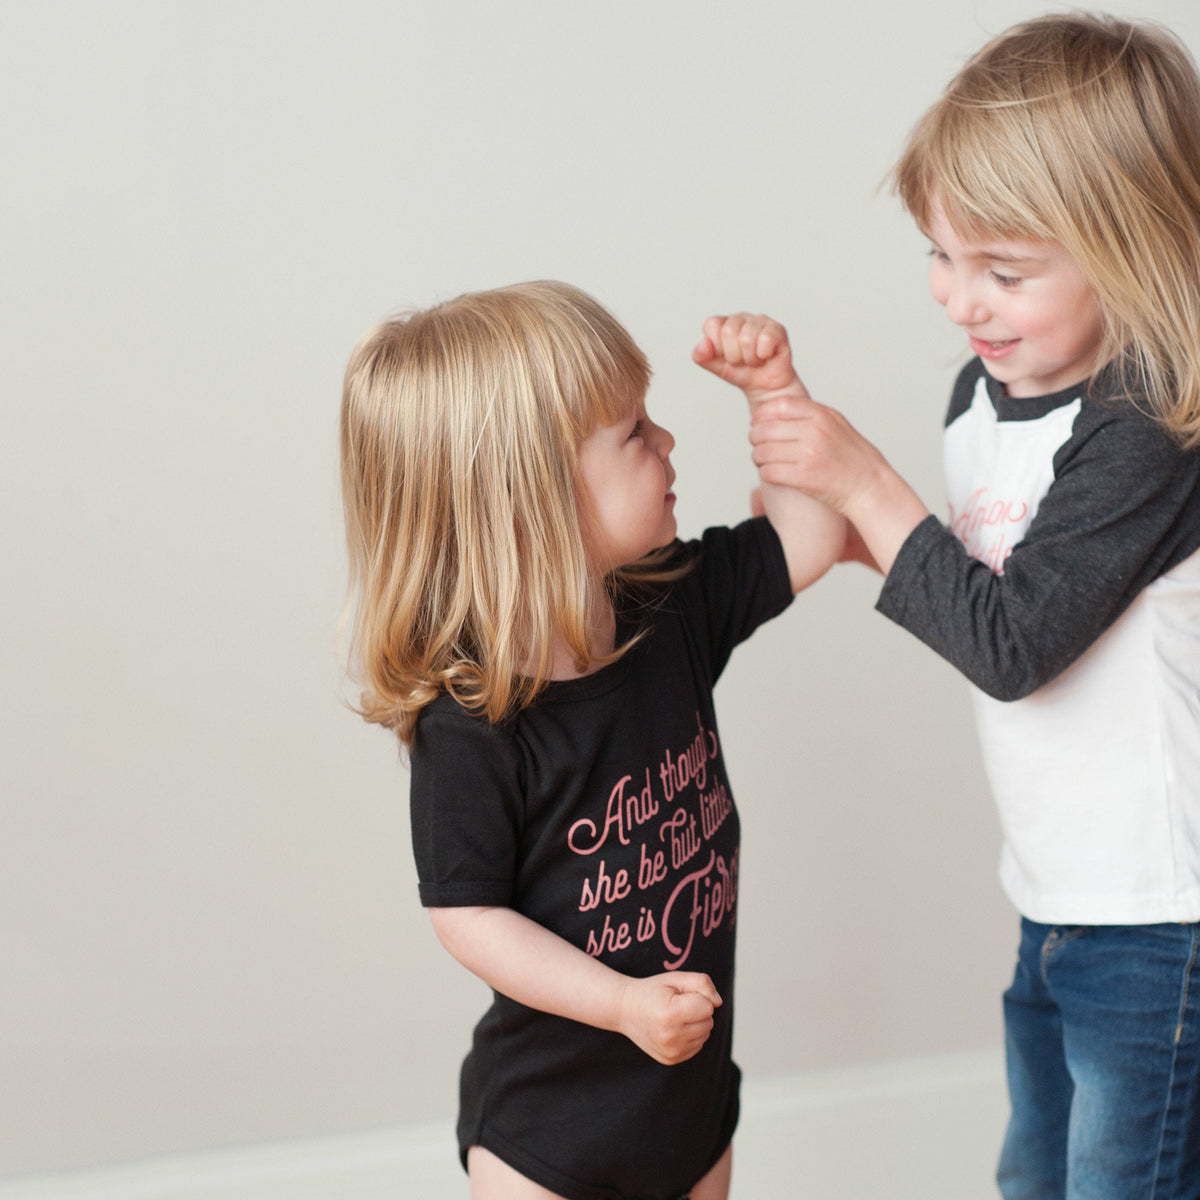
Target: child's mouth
992	350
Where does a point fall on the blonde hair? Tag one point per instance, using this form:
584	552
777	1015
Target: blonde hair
1084	130
459	430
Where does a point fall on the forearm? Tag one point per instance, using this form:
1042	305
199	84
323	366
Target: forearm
668	1016
855	549
885	512
529	964
813	536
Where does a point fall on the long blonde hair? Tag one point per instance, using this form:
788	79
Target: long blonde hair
459	429
1084	130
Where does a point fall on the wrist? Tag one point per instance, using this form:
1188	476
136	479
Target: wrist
757	396
885	511
622	1009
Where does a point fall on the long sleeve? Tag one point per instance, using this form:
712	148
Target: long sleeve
1122	508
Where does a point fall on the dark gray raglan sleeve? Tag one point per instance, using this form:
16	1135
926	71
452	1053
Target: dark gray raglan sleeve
1123	509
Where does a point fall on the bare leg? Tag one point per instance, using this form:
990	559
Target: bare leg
493	1179
715	1185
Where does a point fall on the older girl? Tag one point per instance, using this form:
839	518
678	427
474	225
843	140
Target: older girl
1058	182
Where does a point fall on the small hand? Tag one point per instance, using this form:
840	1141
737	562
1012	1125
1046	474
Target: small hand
805	445
669	1016
751	352
798	443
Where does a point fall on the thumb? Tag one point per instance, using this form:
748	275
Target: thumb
694	981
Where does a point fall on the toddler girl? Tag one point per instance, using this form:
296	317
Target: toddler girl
529	626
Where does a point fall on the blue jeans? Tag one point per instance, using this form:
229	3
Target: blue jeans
1102	1026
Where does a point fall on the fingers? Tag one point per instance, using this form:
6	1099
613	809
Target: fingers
750	351
769	439
685	1027
670	1016
789	437
688	1041
690	1017
696	983
792	452
745	339
791	427
712	328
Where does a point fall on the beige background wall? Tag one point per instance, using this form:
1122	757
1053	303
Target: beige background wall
209	930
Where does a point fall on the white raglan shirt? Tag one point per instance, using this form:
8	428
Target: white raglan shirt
1066	587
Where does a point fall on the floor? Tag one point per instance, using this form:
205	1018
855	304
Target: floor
906	1131
926	1129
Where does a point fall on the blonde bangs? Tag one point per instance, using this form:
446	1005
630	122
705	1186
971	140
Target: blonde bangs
952	164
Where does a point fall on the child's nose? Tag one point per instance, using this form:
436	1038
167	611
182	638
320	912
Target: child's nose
962	304
664	441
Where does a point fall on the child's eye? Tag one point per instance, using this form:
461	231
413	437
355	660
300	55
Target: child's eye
1006	281
639	427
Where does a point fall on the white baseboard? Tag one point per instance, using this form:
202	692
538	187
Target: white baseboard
925	1129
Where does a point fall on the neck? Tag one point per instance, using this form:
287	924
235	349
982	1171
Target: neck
602	642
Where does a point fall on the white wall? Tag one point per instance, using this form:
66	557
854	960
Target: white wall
209	930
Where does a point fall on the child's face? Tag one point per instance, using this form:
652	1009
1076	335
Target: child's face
626	477
1026	308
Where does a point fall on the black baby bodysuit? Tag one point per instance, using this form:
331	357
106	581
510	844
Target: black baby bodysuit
603	812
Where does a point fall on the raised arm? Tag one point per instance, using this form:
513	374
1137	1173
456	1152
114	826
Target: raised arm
801	444
752	352
669	1016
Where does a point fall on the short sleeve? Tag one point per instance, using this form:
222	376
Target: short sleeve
740	580
465	805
